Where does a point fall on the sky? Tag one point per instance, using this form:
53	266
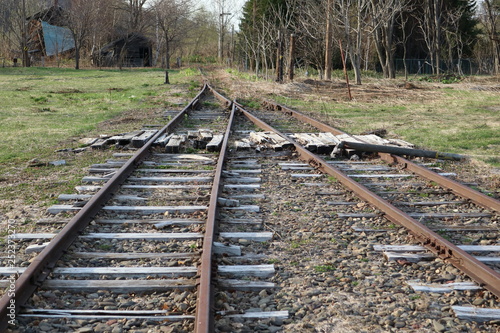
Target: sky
235	7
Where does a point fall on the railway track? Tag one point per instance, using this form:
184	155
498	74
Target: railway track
269	211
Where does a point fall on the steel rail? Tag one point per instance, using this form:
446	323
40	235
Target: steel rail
204	319
444	249
40	268
457	188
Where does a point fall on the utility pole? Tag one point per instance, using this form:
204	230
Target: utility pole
328	42
26	59
279	58
222	28
291	64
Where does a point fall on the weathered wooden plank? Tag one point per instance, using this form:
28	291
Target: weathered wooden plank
163	139
248	208
442	288
70	197
341	203
149	236
278	143
36	248
92	188
126	138
329	138
242	187
242	221
149	221
185	157
259	315
305	175
128	271
252	236
262	271
55	209
155	210
104	314
226	249
245	171
173	145
248	196
239	180
215	143
99	144
146	236
25	236
172	179
244	285
243	144
476	314
177	222
123	286
140	140
297	168
410	257
170	187
134	255
173	171
121	271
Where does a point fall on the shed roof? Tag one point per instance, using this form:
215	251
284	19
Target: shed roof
57	39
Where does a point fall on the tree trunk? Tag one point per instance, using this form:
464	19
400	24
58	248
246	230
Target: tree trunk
167	52
328	42
437	33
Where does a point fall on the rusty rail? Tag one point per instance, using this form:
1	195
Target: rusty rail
204	320
475	269
459	189
41	267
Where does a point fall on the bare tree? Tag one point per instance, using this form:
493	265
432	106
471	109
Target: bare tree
491	20
430	26
328	40
383	23
352	16
225	11
80	18
173	19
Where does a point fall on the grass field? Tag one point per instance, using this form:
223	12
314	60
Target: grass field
462	117
46	109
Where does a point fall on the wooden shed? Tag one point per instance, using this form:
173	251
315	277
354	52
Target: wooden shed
134	50
47	34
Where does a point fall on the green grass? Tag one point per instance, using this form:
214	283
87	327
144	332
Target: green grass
453	120
43	106
46	109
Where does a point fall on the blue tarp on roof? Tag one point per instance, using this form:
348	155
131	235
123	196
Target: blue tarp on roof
57	39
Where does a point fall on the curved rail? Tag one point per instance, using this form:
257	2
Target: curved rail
204	321
41	267
475	269
459	189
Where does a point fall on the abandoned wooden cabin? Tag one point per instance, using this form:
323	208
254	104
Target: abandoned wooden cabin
48	35
134	50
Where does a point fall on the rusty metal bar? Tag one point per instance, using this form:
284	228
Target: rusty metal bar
478	271
42	265
204	322
459	189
